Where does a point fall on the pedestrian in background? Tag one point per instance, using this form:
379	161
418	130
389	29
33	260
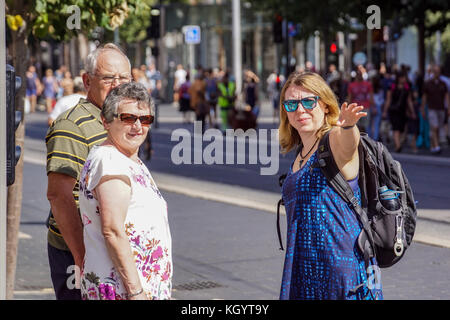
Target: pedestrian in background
360	91
32	85
50	89
251	92
67	84
185	99
69	140
197	92
321	260
227	96
435	95
126	228
180	76
275	82
69	101
398	104
211	96
376	109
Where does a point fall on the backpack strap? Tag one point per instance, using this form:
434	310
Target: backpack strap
337	181
280	203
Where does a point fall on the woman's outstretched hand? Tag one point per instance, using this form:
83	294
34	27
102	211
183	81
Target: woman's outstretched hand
350	114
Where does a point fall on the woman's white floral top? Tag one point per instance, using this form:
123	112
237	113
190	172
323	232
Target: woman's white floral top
146	225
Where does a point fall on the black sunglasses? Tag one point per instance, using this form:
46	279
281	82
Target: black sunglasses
130	118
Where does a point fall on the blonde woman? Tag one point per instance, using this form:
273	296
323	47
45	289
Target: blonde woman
322	259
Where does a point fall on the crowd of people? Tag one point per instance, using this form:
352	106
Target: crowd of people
211	95
400	105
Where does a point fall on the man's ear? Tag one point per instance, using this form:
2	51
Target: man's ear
86	81
105	124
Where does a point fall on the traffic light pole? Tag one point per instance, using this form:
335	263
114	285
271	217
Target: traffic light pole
3	188
237	44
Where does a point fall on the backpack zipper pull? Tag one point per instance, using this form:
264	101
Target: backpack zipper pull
398	246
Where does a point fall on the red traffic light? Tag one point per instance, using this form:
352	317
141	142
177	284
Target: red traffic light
333	48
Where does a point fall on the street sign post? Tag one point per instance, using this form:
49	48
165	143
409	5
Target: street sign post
192	34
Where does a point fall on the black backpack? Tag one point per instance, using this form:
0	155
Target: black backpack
386	234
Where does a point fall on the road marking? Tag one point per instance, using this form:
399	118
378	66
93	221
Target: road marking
25	236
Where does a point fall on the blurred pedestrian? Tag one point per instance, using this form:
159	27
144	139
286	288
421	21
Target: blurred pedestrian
211	96
333	74
59	75
251	92
376	110
360	92
227	97
140	77
398	103
69	140
126	228
198	103
67	84
447	107
435	95
185	99
50	89
155	80
32	84
180	76
321	260
68	101
275	82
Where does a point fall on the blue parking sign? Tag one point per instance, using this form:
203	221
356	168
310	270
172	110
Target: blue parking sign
192	34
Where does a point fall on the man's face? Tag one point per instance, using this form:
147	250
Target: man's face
436	72
112	70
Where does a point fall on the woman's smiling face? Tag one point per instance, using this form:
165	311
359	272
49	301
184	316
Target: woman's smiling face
125	136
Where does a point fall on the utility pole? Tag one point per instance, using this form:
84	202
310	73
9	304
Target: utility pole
237	45
3	190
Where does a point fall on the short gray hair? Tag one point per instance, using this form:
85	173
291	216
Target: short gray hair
131	90
91	59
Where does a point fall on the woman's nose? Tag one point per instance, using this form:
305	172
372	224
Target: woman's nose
300	108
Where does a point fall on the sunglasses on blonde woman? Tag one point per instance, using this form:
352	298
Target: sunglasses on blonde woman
130	118
308	103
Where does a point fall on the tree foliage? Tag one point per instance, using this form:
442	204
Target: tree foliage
49	17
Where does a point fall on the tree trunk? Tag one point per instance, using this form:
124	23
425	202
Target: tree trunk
18	52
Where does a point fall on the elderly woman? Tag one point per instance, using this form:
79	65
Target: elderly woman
322	259
126	230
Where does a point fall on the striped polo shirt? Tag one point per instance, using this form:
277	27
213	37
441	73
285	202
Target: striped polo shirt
69	140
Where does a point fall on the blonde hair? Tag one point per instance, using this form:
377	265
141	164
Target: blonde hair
310	81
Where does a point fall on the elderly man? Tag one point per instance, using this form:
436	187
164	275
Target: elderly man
69	140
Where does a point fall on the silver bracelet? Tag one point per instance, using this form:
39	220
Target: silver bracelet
136	293
348	127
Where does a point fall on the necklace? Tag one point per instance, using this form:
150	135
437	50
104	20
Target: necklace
302	158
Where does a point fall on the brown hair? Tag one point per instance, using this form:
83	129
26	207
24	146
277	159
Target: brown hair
288	135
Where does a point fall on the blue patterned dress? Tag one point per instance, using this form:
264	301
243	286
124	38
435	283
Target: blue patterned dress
322	259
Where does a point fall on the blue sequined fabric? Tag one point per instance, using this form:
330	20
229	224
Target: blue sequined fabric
322	259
